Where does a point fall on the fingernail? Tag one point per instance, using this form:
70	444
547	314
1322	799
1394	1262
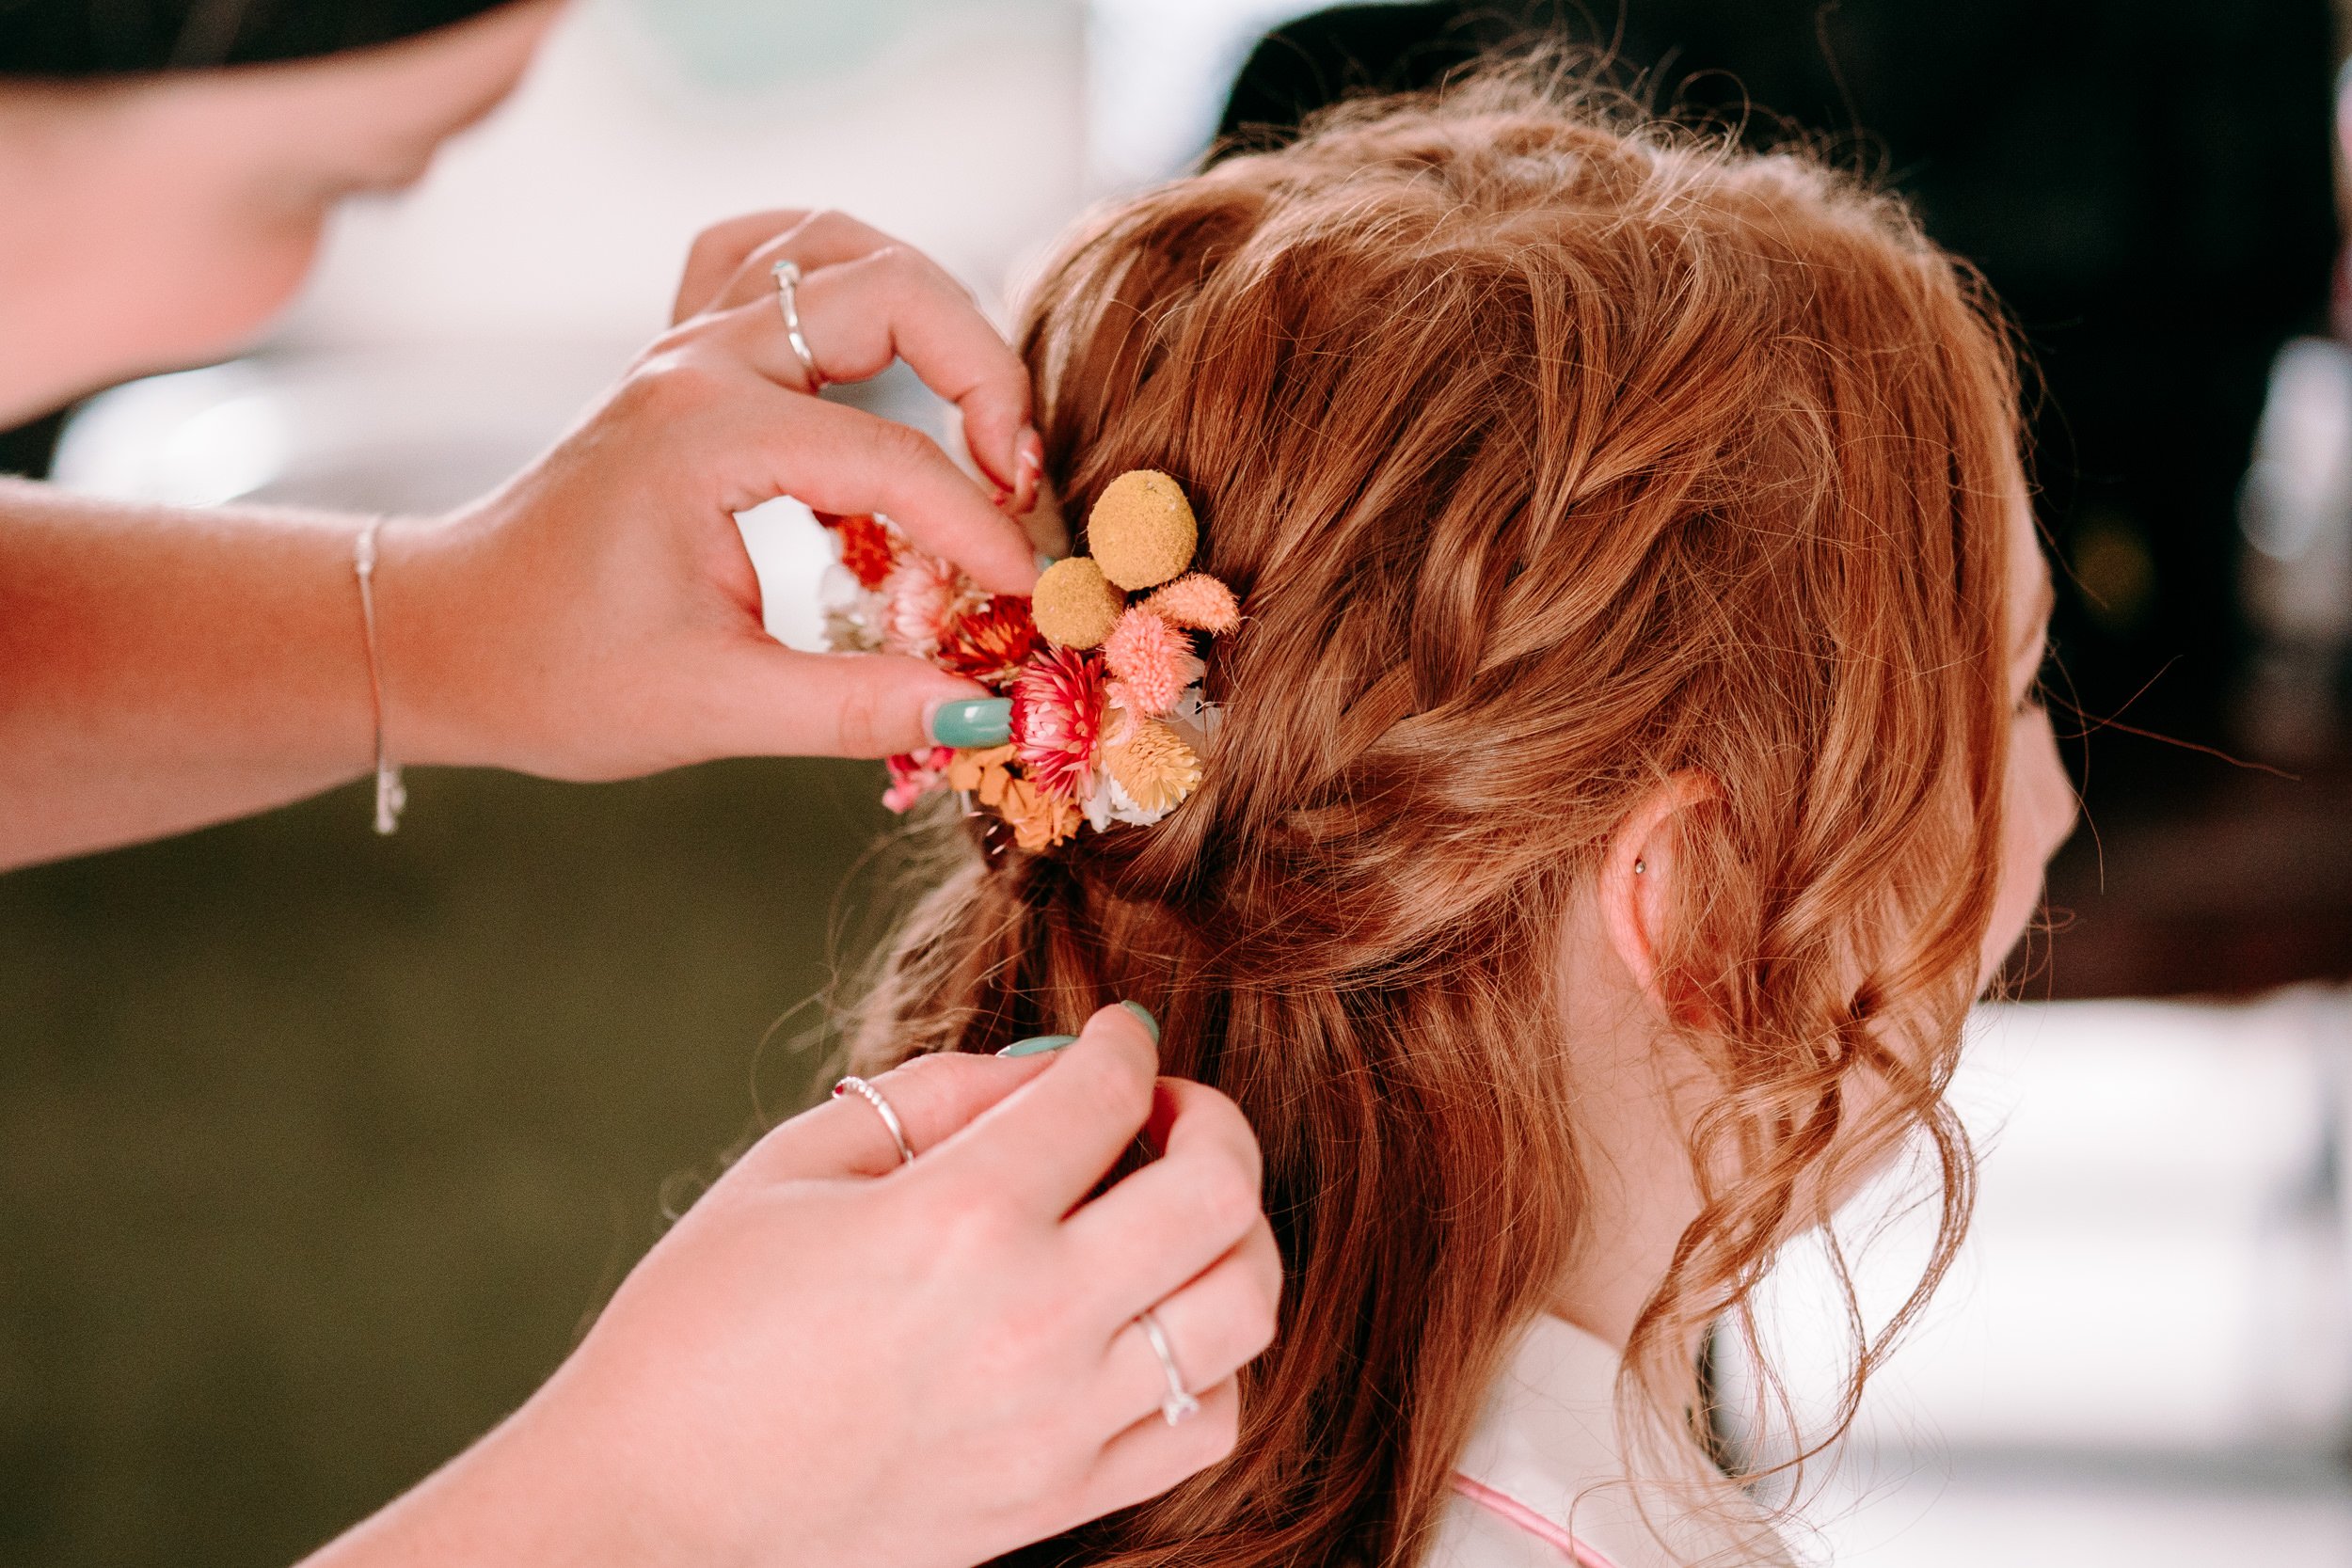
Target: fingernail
1043	560
972	722
1144	1014
1028	456
1038	1045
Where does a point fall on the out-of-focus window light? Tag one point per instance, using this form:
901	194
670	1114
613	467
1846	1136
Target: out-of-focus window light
2296	509
2151	1320
955	124
1157	76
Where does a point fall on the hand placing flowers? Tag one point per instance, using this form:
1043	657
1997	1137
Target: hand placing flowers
1099	717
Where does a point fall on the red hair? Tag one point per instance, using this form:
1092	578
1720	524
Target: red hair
1552	452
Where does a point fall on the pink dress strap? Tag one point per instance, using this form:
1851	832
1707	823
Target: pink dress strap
1531	1522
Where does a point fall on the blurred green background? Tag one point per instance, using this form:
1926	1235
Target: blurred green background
369	1128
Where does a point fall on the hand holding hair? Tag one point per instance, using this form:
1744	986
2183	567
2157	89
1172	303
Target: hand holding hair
838	1361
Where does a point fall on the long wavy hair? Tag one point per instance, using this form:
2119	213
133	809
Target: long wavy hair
1553	451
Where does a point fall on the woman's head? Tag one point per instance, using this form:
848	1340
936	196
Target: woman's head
1596	494
179	211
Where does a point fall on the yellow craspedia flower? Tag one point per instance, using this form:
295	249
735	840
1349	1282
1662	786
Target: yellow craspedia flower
1141	532
1072	604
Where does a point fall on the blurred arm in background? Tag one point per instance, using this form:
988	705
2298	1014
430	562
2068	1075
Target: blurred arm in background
156	220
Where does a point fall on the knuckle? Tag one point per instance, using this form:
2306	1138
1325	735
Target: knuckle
825	224
1262	1321
899	446
1225	1197
669	383
972	1223
1116	1088
858	720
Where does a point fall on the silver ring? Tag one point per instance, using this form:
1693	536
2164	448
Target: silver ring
873	1097
1180	1404
788	277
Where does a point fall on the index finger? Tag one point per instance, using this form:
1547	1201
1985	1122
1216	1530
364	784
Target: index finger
835	458
1045	1147
934	1096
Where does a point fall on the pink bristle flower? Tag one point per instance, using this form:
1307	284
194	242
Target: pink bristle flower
920	599
1152	660
1198	603
1057	709
915	774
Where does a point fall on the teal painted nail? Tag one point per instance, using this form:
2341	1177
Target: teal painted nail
979	721
1038	1045
1145	1014
1043	560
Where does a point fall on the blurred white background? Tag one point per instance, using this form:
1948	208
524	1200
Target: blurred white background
2145	1357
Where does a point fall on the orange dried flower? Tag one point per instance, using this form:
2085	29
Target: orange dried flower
1038	818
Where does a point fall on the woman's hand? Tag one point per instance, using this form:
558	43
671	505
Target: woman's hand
835	1362
597	617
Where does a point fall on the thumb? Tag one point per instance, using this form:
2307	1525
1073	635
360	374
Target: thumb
774	700
934	1096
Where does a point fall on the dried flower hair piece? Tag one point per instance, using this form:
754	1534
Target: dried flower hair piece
1102	666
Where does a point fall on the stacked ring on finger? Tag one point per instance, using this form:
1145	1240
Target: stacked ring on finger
1180	1404
872	1095
787	276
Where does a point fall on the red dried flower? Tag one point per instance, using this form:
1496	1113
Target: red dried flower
990	644
1057	720
866	546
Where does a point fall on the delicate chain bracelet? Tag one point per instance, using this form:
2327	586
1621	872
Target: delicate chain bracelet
390	794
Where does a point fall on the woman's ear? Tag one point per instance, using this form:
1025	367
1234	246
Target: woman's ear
1641	891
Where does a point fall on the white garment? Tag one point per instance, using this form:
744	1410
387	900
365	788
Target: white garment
1542	1483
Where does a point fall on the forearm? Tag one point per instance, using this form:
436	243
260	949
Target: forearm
161	670
525	1495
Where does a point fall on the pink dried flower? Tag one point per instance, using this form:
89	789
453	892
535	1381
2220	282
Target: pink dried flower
1058	719
920	598
915	774
1198	602
1152	660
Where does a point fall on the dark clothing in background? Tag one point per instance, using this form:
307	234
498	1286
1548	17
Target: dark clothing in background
104	37
2145	182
